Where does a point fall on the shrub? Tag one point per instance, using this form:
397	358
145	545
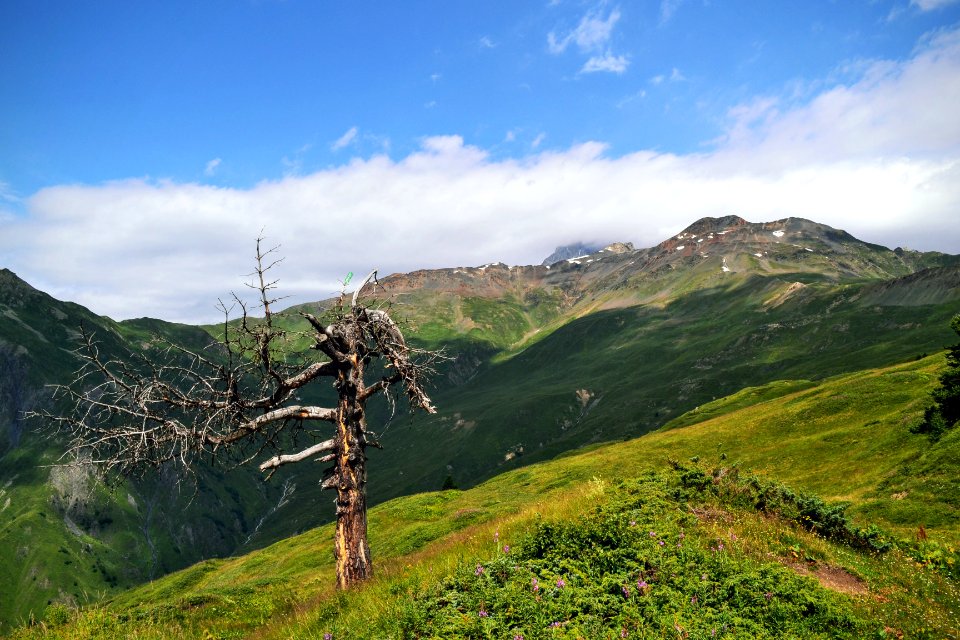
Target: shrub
57	614
944	414
635	567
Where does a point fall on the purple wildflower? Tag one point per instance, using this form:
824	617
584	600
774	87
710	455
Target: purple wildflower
661	542
626	591
535	584
519	636
768	596
642	585
483	613
682	536
555	625
623	633
328	636
633	523
653	534
506	548
560	583
479	570
693	600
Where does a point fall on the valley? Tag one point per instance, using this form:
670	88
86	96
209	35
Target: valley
842	438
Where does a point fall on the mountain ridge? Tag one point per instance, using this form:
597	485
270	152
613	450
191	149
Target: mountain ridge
730	234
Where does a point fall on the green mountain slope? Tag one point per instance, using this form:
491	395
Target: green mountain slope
64	535
545	360
616	344
623	372
844	438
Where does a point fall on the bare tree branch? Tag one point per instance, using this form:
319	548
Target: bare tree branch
320	447
172	404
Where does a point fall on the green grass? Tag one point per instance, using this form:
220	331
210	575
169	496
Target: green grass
45	559
844	438
647	561
641	367
536	375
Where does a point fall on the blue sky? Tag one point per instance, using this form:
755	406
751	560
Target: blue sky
146	143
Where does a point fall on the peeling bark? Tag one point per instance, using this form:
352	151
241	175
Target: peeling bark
351	550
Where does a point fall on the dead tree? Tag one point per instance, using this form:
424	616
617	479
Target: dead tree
137	412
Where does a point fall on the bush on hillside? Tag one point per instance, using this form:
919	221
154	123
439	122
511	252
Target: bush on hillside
808	510
640	565
944	413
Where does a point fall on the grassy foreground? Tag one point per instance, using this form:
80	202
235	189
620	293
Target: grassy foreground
755	556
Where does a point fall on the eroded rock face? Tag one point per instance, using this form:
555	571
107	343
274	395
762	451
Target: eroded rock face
618	247
16	394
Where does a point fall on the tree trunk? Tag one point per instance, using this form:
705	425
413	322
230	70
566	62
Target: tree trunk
351	550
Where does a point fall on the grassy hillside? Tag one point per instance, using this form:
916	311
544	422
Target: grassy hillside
786	556
64	536
580	354
617	373
620	373
545	361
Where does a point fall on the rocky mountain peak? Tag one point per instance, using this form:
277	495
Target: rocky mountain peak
618	247
568	251
713	225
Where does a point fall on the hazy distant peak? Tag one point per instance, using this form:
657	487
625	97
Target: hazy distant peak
566	252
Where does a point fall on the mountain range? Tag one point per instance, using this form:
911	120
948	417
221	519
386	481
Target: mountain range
602	346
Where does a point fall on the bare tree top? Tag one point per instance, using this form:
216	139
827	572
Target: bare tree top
241	394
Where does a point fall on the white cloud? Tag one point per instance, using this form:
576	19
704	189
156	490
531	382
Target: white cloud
878	156
607	62
487	43
211	167
345	140
510	137
890	109
538	140
591	34
930	5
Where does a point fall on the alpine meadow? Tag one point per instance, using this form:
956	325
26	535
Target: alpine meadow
554	320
